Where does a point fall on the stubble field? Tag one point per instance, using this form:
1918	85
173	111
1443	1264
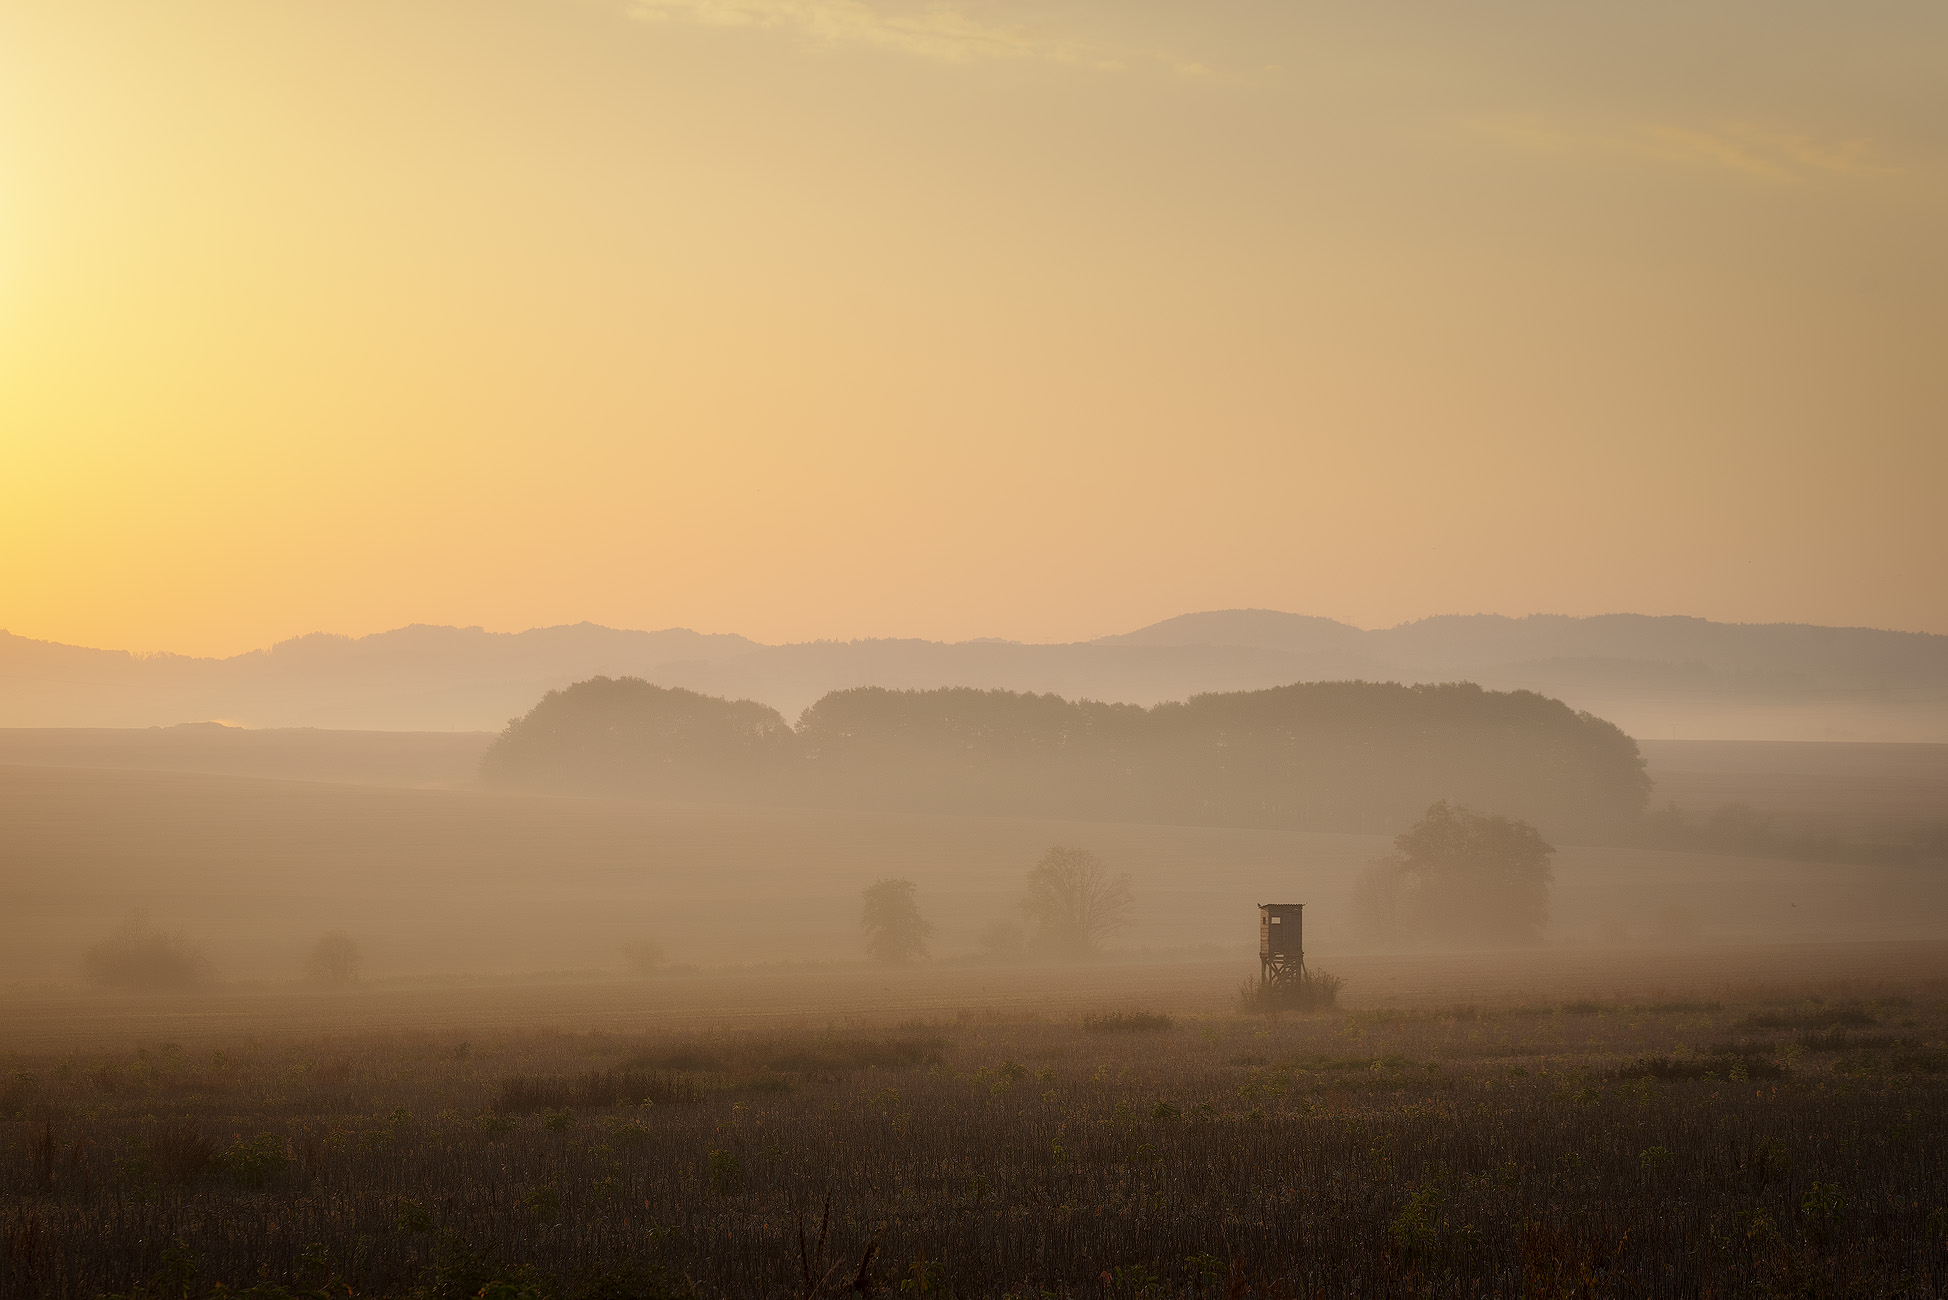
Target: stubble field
1781	1141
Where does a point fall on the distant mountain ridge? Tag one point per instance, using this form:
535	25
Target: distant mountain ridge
1656	677
418	677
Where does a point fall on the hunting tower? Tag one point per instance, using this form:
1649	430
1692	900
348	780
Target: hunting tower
1281	942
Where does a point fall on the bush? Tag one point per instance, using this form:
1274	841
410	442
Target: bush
1839	1040
1724	1066
18	1092
726	1174
1826	1018
177	1154
1313	991
1002	940
524	1094
643	956
140	956
334	961
255	1161
896	933
1127	1022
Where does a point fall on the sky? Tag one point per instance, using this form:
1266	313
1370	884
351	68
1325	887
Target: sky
837	318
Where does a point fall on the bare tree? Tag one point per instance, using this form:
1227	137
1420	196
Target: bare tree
895	931
1075	902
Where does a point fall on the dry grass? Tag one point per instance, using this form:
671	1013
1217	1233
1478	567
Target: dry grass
1605	1146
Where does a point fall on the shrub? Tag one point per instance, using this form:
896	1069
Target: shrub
543	1202
524	1094
140	956
1313	991
1725	1067
1002	939
1127	1022
20	1090
255	1161
177	1153
1823	1201
1418	1224
1828	1018
725	1173
896	933
643	956
1839	1040
411	1216
334	961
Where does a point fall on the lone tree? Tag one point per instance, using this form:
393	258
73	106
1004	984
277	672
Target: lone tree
1458	874
896	933
334	961
1075	902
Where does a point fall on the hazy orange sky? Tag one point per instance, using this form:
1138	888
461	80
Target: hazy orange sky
810	318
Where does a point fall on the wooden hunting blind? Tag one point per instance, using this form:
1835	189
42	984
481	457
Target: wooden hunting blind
1281	942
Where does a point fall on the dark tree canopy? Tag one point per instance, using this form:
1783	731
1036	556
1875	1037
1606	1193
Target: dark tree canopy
1344	756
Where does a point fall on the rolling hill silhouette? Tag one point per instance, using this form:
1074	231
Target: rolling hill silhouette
1653	676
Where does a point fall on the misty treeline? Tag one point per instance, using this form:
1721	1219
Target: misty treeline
140	956
1339	756
1741	829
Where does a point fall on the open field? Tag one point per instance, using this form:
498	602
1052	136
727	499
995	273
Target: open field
1783	1141
1719	1075
857	994
1861	791
435	881
441	759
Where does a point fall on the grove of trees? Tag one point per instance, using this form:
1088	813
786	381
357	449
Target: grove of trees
1343	756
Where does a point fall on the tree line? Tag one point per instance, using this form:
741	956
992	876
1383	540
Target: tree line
1339	756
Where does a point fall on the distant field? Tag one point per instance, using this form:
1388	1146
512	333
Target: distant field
432	881
1843	789
408	758
861	996
1849	790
